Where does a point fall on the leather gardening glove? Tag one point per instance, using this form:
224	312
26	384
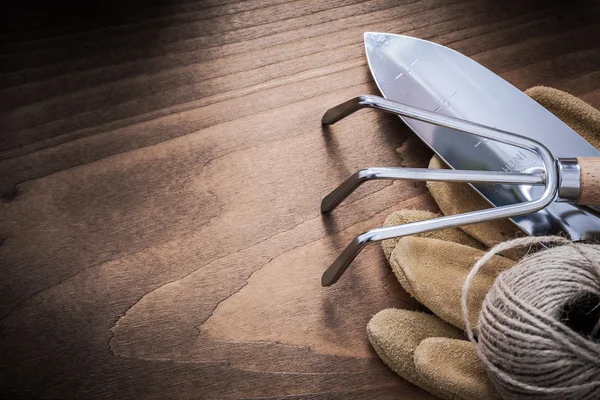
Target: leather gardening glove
430	350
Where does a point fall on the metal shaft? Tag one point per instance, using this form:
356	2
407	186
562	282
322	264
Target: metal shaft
333	199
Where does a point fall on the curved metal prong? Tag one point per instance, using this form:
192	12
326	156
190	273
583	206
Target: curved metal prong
342	262
551	180
333	199
341	111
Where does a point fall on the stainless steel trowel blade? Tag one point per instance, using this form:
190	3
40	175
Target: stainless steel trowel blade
433	77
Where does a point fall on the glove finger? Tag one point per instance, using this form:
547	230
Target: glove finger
434	271
395	334
579	115
407	216
452	366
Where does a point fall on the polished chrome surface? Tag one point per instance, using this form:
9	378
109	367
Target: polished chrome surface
547	163
569	179
435	78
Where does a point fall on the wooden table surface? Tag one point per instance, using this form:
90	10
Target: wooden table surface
161	168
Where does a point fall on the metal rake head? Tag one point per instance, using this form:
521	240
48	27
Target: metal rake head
567	189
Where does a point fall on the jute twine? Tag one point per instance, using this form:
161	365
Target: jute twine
527	348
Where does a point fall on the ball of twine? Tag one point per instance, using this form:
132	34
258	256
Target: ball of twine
527	345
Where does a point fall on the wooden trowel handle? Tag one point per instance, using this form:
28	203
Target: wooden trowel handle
589	190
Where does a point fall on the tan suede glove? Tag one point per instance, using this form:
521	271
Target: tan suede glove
430	350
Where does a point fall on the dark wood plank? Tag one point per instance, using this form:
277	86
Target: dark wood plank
161	168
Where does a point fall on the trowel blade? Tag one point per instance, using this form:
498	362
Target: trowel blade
433	77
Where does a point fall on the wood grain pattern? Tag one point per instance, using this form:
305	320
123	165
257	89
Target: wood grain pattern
161	168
